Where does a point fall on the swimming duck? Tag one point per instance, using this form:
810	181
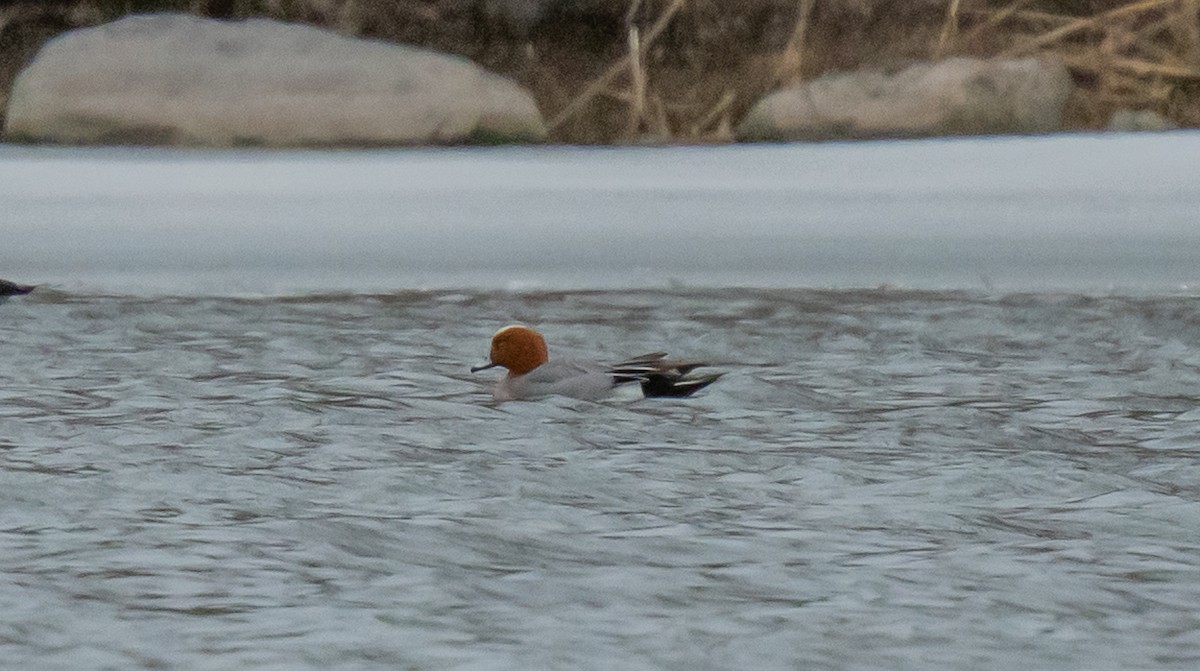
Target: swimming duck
531	373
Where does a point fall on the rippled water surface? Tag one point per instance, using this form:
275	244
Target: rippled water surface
883	479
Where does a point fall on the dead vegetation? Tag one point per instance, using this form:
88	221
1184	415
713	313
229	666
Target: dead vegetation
688	70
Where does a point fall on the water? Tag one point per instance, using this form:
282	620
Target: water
237	427
883	479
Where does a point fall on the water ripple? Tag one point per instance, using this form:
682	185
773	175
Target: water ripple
882	479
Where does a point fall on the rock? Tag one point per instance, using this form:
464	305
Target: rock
178	79
959	96
1139	120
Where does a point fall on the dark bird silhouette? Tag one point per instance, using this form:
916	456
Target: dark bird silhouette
8	289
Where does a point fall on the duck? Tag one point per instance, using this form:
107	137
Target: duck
533	374
9	289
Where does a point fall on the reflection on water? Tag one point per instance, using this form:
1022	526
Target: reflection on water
884	479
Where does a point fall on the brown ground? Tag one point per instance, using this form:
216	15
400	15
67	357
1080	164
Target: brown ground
702	63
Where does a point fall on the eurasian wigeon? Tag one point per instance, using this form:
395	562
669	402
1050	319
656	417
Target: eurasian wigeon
531	373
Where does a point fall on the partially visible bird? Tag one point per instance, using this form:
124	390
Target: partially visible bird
9	289
532	374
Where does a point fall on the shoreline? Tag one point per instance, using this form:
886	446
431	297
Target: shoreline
699	70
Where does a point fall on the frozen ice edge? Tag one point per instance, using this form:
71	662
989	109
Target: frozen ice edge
1069	212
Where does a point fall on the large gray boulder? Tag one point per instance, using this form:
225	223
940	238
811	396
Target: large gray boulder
183	80
958	96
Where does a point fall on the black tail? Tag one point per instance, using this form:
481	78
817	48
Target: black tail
661	377
675	386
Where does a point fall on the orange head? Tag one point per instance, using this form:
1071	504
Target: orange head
520	349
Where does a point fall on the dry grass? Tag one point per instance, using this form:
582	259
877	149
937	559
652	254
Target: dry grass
1136	55
687	70
1123	55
